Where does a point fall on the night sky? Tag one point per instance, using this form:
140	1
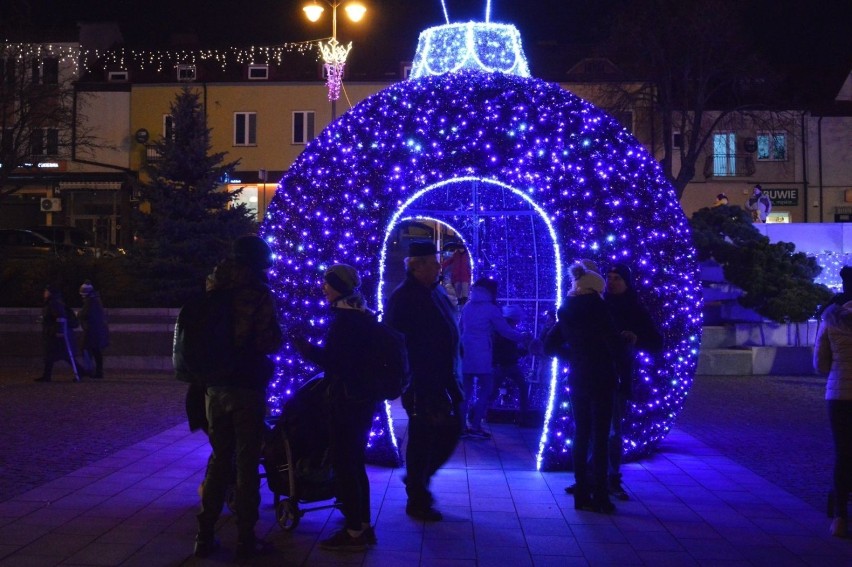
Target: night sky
806	36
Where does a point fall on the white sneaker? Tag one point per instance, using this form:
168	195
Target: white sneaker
838	527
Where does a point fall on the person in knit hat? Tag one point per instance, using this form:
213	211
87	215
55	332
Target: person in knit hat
350	404
638	331
235	401
588	342
95	330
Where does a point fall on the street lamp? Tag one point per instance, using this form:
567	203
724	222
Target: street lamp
333	53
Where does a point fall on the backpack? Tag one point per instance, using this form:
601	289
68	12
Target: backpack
204	349
386	369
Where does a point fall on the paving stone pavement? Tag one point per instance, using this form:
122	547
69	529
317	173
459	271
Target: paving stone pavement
777	426
52	429
105	473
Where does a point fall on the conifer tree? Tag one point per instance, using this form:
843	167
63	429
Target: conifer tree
777	282
191	220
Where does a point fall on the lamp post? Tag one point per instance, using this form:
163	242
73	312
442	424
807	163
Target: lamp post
333	53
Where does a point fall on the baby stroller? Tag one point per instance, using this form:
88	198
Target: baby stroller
296	456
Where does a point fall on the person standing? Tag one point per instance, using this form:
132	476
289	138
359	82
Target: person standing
480	319
421	310
460	274
833	356
235	402
57	321
637	329
588	341
759	204
95	330
350	404
507	355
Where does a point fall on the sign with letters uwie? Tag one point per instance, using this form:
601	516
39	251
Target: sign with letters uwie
787	197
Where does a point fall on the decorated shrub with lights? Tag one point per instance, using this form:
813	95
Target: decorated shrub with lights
531	175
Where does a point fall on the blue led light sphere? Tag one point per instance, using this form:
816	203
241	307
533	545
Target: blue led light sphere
548	178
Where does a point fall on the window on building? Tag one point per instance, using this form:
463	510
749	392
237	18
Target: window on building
50	71
303	126
772	146
6	145
168	127
44	142
186	72
258	72
677	140
117	76
7	70
724	154
245	129
248	197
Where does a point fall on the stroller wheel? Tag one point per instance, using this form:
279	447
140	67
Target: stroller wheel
288	514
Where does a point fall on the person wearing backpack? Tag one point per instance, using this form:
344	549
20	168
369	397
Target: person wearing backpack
421	310
235	401
350	402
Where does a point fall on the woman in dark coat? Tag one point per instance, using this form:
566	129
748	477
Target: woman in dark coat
591	346
350	404
95	330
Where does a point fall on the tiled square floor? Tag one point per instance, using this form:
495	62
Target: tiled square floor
689	505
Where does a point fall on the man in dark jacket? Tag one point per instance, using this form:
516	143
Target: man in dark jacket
638	331
236	403
421	310
95	329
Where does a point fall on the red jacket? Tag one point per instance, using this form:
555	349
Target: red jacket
459	265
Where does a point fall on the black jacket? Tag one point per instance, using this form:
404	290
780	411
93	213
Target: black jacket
427	319
592	347
342	357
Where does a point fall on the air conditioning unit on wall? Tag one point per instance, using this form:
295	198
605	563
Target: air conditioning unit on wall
51	205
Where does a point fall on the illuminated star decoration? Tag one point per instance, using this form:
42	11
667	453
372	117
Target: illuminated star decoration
547	178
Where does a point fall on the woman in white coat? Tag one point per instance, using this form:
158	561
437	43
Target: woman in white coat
480	318
833	356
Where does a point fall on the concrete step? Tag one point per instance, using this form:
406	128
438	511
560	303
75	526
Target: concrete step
756	361
724	362
718	336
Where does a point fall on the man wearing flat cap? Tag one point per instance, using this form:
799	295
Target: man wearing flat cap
421	310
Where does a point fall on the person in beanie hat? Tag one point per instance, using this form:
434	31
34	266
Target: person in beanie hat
590	344
235	404
421	310
350	404
638	332
344	279
481	317
95	330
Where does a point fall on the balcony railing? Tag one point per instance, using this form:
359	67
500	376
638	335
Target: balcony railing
152	154
729	165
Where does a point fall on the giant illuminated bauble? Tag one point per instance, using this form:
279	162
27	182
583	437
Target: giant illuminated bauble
565	178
